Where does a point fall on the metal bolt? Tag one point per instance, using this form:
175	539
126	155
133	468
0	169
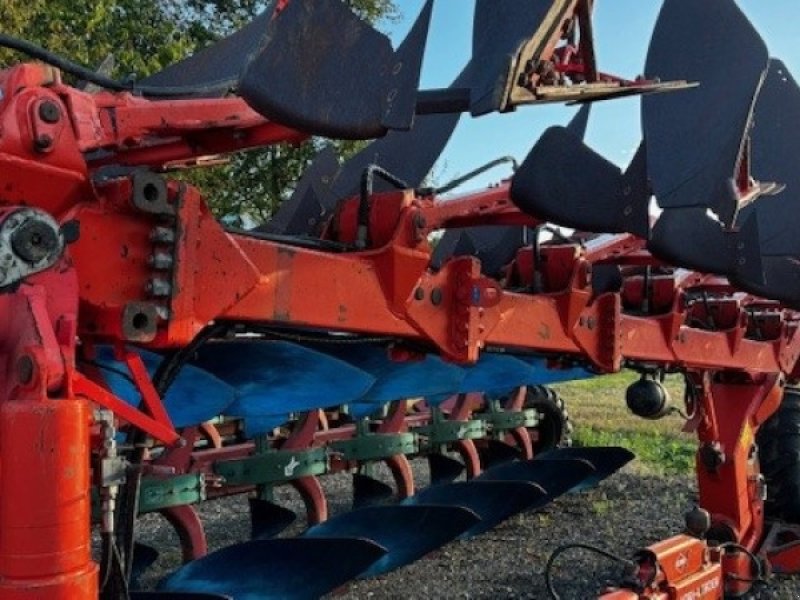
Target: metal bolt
159	288
162	235
43	143
161	261
49	112
419	294
436	296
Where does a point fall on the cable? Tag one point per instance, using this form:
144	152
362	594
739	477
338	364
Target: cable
448	187
81	72
754	560
580	546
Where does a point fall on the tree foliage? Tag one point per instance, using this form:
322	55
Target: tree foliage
144	36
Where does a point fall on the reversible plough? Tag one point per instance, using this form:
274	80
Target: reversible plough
153	358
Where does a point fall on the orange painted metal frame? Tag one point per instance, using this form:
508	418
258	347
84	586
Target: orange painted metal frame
387	289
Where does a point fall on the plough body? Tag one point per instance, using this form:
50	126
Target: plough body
153	358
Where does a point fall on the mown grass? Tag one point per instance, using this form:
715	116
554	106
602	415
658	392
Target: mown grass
601	418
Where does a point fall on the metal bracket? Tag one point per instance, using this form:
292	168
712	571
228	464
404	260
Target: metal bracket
273	467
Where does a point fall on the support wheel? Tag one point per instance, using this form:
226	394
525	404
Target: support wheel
779	452
555	428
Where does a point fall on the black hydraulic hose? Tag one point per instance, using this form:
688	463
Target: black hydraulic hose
170	367
548	569
459	181
86	74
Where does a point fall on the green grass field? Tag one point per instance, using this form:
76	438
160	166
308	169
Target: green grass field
598	411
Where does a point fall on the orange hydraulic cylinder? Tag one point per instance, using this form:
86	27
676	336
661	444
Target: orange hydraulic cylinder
45	533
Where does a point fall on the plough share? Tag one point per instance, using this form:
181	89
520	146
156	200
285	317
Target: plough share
153	358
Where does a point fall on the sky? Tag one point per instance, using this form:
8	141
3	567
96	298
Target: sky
623	29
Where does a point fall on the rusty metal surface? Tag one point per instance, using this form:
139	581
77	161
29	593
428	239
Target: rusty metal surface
351	85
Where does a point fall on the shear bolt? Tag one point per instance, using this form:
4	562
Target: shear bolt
159	288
